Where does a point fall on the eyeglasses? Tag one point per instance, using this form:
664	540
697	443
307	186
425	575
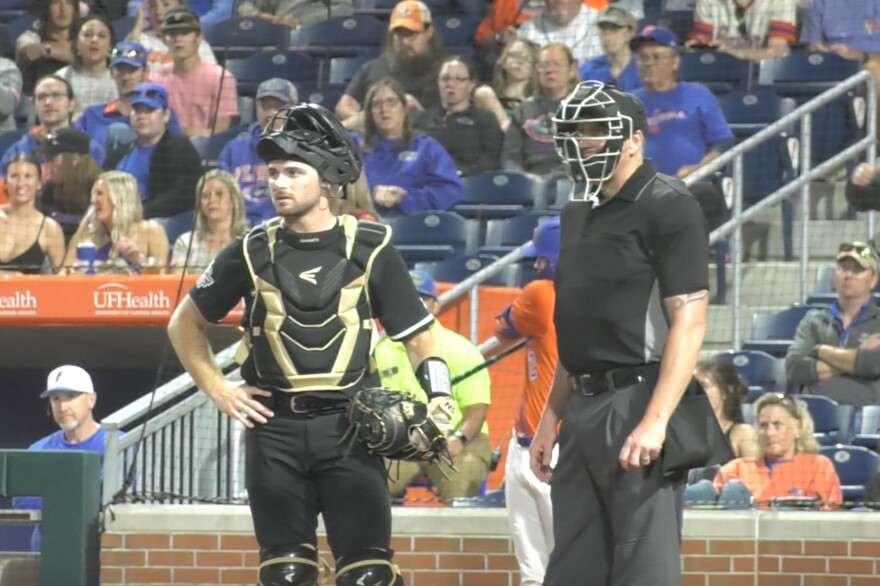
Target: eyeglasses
387	102
126	54
453	79
645	58
547	65
51	96
521	57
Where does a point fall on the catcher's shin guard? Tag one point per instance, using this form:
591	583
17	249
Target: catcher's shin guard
368	567
289	565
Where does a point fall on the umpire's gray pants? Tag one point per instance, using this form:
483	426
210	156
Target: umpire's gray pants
611	527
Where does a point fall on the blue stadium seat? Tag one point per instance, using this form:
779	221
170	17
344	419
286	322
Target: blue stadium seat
763	372
773	332
431	236
499	194
346	35
251	71
240	37
343	69
210	147
384	7
823	291
748	411
832	421
19	25
504	235
718	71
122	26
246	113
747	112
456	30
866	428
326	94
458	267
10	137
855	466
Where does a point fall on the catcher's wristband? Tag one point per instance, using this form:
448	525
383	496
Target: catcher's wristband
461	437
433	376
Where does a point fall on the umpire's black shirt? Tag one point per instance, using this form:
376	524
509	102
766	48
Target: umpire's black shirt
617	263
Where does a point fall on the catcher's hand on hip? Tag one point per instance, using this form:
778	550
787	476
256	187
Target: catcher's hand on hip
442	410
238	402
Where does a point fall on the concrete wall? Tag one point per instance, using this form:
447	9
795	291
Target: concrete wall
207	544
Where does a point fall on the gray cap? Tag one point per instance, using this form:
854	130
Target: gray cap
617	16
278	88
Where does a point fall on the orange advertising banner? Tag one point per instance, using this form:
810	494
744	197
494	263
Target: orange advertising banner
93	300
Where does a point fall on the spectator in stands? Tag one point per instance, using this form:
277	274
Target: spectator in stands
72	172
166	165
202	94
72	400
54	103
727	391
686	127
760	29
528	143
124	241
110	124
617	27
788	464
220	219
295	12
514	80
470	135
147	31
411	54
10	93
89	74
239	156
27	237
566	21
469	444
406	171
48	46
836	350
863	188
209	11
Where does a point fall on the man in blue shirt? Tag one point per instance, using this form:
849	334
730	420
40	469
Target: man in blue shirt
239	156
72	400
109	124
617	27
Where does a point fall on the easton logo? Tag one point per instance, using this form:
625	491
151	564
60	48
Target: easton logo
309	275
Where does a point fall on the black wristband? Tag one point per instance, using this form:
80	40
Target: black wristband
461	437
433	376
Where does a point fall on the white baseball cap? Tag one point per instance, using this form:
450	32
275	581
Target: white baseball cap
68	378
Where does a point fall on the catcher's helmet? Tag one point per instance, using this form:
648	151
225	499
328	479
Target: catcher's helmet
618	113
312	134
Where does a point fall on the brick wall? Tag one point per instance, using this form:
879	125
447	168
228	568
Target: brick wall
185	545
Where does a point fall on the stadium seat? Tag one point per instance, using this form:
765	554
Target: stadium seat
855	466
384	7
240	37
823	291
343	69
210	147
19	25
718	71
347	35
456	30
832	421
763	372
499	194
504	235
122	26
747	112
326	94
457	268
431	236
246	112
773	332
866	427
10	137
290	65
748	411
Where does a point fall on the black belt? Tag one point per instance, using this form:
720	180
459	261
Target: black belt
308	406
596	383
524	440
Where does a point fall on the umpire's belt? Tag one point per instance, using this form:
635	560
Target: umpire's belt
308	406
596	383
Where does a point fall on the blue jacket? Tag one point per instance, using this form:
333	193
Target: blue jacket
96	120
423	168
239	157
30	141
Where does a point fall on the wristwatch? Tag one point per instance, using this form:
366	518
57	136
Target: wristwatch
47	51
461	437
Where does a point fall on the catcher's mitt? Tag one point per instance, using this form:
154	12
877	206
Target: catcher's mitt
395	425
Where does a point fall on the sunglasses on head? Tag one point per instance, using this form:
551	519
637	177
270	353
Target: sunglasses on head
152	94
125	53
861	249
783	399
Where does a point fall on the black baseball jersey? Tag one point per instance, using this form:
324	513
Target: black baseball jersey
617	262
393	298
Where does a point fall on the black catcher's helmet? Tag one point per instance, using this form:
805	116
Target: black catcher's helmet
312	134
615	114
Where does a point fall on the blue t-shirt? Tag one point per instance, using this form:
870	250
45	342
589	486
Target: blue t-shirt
599	69
683	123
854	23
56	441
137	162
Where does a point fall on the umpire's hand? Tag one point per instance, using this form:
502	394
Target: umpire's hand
238	402
643	445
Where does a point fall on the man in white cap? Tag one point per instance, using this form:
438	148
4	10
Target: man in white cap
72	399
239	156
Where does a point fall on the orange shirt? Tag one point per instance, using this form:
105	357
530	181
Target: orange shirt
806	475
532	316
506	13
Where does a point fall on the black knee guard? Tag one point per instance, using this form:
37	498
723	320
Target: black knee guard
368	567
289	565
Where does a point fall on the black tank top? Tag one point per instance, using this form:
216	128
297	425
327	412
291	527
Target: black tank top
29	262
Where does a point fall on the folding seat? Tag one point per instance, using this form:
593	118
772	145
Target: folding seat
430	236
240	37
763	372
773	332
832	421
293	66
855	466
458	267
499	194
504	235
343	35
718	71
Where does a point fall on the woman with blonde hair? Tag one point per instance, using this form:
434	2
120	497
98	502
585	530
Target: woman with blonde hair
123	241
514	80
221	218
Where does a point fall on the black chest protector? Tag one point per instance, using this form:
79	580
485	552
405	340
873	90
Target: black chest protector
309	325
